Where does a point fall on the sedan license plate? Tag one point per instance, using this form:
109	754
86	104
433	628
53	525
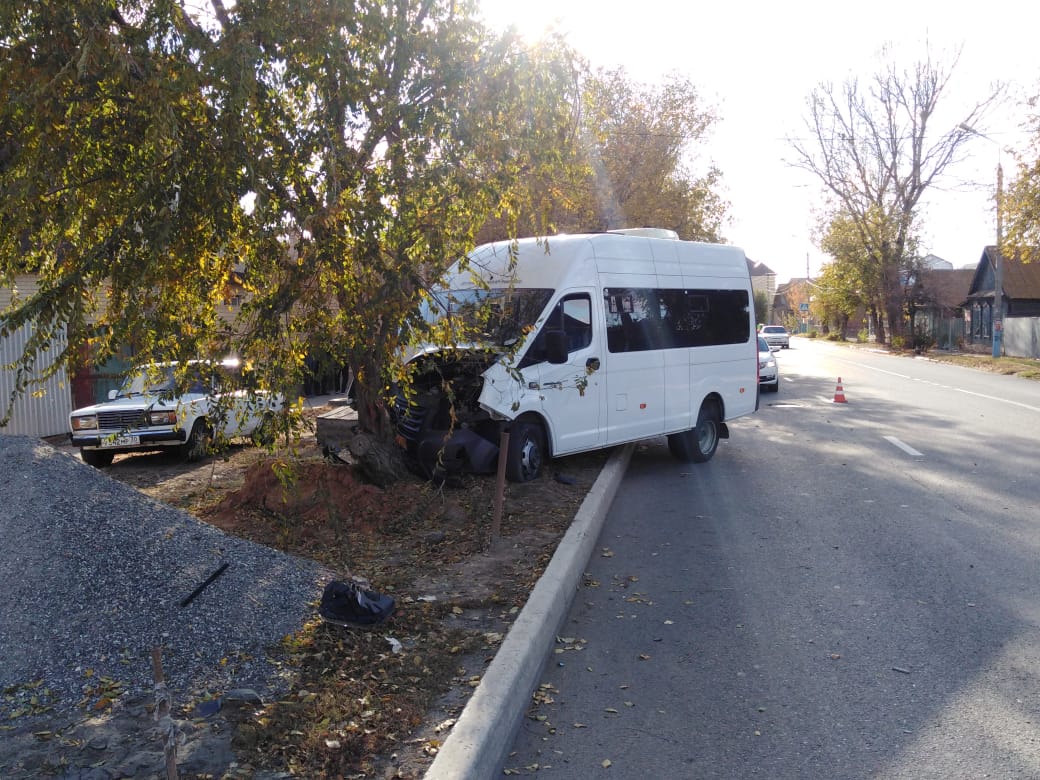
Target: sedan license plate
121	441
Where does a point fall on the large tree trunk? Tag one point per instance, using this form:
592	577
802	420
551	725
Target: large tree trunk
894	318
378	461
879	325
374	453
894	300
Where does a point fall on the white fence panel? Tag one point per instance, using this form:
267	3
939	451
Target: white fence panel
42	410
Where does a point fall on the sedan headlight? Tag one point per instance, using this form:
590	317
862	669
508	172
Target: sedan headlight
167	417
84	422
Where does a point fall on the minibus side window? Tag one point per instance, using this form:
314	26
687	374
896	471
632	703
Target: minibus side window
647	319
576	314
572	315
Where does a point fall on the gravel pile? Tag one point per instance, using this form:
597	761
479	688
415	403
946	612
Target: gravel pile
93	576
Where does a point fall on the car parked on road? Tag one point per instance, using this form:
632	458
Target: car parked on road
776	336
145	414
768	370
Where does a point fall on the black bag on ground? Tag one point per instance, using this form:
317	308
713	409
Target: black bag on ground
349	603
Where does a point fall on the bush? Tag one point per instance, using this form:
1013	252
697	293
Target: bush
812	334
863	337
923	342
834	336
898	342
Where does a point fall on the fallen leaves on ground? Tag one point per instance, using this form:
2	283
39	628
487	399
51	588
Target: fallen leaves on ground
360	701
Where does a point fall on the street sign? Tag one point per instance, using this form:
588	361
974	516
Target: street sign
803	307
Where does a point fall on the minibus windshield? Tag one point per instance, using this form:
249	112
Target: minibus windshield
498	316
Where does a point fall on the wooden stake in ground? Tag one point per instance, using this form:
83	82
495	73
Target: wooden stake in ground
167	728
500	486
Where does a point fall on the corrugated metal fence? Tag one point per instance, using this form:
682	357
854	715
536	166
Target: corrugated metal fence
1022	336
42	410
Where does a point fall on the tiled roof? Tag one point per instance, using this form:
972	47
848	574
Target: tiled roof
945	287
759	269
1021	274
797	282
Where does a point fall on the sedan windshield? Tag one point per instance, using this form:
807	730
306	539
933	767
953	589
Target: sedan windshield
157	380
499	317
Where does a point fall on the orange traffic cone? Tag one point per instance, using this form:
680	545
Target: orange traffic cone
839	393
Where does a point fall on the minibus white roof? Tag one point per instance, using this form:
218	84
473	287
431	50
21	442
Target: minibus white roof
616	258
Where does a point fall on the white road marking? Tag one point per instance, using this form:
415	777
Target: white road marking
904	447
1000	400
942	386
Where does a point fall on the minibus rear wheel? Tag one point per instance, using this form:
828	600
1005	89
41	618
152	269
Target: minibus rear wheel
698	445
526	453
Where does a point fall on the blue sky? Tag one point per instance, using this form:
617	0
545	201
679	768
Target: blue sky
756	62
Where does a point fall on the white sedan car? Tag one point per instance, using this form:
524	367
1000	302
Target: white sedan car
776	336
144	414
768	370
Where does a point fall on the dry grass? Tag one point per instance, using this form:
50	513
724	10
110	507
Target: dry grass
1026	368
367	702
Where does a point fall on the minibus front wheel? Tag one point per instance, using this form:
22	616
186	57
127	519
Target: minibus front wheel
526	454
698	445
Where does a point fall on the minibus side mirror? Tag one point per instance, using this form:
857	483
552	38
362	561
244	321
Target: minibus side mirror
556	347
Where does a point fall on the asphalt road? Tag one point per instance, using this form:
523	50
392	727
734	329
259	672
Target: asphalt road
844	591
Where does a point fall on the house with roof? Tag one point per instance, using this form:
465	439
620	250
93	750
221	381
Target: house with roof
1020	298
763	280
936	304
934	261
791	304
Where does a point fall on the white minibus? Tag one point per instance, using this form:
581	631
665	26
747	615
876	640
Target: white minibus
585	341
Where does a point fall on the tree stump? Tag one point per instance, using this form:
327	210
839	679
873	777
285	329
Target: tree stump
377	461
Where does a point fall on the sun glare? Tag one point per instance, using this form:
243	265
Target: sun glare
531	19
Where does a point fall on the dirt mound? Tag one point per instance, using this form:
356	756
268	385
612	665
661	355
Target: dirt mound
314	500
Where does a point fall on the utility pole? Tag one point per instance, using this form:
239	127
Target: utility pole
808	314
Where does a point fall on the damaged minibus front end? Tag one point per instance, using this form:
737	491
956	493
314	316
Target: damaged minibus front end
446	419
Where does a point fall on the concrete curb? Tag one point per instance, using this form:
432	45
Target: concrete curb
485	730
